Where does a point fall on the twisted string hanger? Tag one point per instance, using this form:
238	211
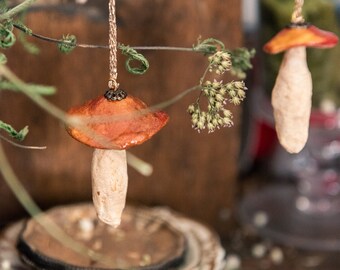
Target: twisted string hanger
297	17
113	85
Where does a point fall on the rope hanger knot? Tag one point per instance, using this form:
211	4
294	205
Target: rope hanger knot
297	17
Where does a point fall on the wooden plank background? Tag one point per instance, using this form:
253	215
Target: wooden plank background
193	173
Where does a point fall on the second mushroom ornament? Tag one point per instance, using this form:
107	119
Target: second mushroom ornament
292	92
112	123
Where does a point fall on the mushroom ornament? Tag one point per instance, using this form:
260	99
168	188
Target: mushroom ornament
113	123
292	92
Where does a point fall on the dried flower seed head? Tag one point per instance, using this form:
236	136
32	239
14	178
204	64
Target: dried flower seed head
239	85
218	105
216	85
207	83
191	109
227	122
218	94
222	90
241	93
227	113
220	62
235	100
211	127
219	97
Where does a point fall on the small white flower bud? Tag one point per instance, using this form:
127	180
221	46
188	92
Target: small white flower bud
219	97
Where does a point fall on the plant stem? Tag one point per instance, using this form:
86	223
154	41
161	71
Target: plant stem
17	9
163	48
173	100
139	165
93	46
22	146
32	208
25	89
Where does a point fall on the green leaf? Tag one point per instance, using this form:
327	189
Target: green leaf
18	135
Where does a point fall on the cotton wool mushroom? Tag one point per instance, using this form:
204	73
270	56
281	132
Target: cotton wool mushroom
292	92
131	124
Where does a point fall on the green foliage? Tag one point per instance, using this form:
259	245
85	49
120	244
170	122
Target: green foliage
208	46
3	6
241	61
67	43
18	135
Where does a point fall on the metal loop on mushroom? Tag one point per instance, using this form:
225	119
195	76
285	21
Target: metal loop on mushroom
115	95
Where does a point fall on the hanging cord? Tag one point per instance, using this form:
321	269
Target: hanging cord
113	85
297	17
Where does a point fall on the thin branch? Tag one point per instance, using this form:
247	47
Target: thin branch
173	100
33	209
163	48
17	9
22	146
25	89
139	165
93	46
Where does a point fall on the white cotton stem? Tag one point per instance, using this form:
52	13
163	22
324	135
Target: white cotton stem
109	184
292	100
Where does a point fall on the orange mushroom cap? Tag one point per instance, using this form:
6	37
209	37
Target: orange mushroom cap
300	35
133	126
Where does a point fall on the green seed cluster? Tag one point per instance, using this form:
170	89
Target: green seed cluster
218	95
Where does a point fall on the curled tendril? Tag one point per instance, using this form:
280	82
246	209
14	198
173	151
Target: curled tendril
133	55
7	38
208	46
